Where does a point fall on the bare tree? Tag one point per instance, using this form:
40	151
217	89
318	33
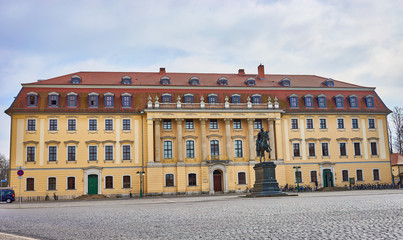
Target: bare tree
397	121
390	136
4	164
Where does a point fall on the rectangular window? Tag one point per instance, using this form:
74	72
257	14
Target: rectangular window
93	153
166	124
236	99
343	149
192	179
294	123
376	174
295	147
53	100
166	98
311	149
354	123
344	174
30	154
294	102
353	102
108	153
32	100
190	149
241	178
31	125
374	149
71	153
126	182
188	99
256	100
51	184
52	124
71	125
309	123
371	123
258	123
167	149
214	149
322	102
322	123
52	153
93	101
360	175
298	177
308	102
108	124
213	124
212	99
189	124
169	180
126	101
314	176
108	101
93	125
370	102
339	102
357	149
71	183
30	184
72	101
126	152
340	123
126	124
238	148
237	124
109	182
325	149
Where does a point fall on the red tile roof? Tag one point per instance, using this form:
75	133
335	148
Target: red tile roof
397	159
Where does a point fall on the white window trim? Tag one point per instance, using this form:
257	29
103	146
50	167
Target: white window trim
374	124
35	124
373	176
57	124
92	145
307	148
53	93
26	184
377	148
291	124
165	180
130	146
328	149
47	185
310	176
67	127
130	183
113	182
113	124
344	123
313	124
348	175
26	153
194	148
359	142
325	123
246	178
346	149
130	120
113	152
67	183
89	124
67	153
299	149
57	150
197	182
242	144
363	177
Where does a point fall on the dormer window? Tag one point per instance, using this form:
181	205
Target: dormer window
93	99
222	81
256	99
369	100
194	81
166	98
188	98
126	80
212	98
126	100
322	101
165	81
293	101
108	99
250	82
353	101
339	100
32	99
53	99
236	98
308	101
75	79
286	82
329	82
72	99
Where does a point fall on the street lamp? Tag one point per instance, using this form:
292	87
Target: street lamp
296	175
141	174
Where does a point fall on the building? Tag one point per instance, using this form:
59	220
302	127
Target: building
97	132
397	167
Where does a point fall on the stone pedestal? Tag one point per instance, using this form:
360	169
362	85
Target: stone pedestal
266	184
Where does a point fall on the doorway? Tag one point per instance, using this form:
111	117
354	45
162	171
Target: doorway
327	178
217	176
92	184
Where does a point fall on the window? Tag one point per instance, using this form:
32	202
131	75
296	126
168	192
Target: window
192	179
126	101
298	177
71	125
309	123
256	99
52	124
295	147
241	178
374	149
340	123
32	100
126	152
236	99
325	149
357	149
51	184
52	153
344	175
126	182
169	180
294	123
108	124
213	124
339	102
166	124
359	175
250	82
75	79
238	148
354	123
71	153
308	102
285	82
71	183
108	153
311	149
109	182
214	149
194	81
343	149
30	154
371	123
322	123
126	124
166	98
189	124
93	101
108	100
212	98
258	123
93	153
30	184
222	81
190	149
353	101
375	173
237	124
93	125
72	100
294	102
314	176
126	80
369	100
53	100
167	149
31	125
322	101
165	81
188	98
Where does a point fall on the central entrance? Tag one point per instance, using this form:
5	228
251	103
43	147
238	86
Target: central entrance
327	178
92	184
217	176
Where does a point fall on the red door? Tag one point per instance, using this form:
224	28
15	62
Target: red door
217	181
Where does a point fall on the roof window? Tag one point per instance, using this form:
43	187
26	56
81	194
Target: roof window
75	79
165	80
222	81
194	81
126	80
329	82
286	82
250	82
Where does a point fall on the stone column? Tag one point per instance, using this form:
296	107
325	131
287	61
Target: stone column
279	140
150	139
157	140
251	140
228	137
179	138
203	139
271	141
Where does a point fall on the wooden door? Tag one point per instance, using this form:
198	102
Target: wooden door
217	181
92	184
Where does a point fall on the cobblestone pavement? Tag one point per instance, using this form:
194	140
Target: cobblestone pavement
371	214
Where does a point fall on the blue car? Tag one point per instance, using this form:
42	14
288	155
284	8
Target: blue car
7	195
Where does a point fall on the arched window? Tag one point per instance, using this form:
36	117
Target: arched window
236	98
126	80
194	81
329	82
256	99
222	81
165	80
214	149
188	98
250	82
75	79
286	82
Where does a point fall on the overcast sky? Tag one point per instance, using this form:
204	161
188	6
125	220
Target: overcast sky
359	42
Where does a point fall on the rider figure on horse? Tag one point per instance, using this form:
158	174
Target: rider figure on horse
262	144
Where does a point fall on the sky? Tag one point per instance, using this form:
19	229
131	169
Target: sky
359	42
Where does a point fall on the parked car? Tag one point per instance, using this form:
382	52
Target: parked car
7	195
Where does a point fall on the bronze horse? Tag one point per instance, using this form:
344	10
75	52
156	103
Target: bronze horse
262	144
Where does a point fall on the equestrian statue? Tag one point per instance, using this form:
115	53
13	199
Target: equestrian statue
262	144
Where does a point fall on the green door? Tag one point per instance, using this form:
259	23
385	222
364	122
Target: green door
92	184
327	178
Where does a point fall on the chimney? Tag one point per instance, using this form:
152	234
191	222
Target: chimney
162	71
260	71
241	72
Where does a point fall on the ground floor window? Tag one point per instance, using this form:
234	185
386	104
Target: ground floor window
169	180
71	183
298	177
360	175
344	174
376	175
314	176
126	182
241	178
108	182
30	184
192	179
51	183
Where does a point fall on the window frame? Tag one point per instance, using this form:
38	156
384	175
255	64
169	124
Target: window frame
296	149
373	174
244	179
258	124
213	124
308	124
371	123
126	101
322	101
308	100
353	101
190	148
323	123
52	154
325	149
109	182
214	148
293	101
53	124
126	124
30	187
343	149
237	124
309	149
31	124
70	125
169	180
93	100
362	175
340	123
357	149
238	148
168	149
108	124
30	154
126	152
212	98
92	124
109	152
68	183
189	124
236	99
190	181
124	183
53	184
92	153
109	100
342	175
188	98
166	124
313	178
34	97
71	155
374	149
53	100
72	100
294	123
355	125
